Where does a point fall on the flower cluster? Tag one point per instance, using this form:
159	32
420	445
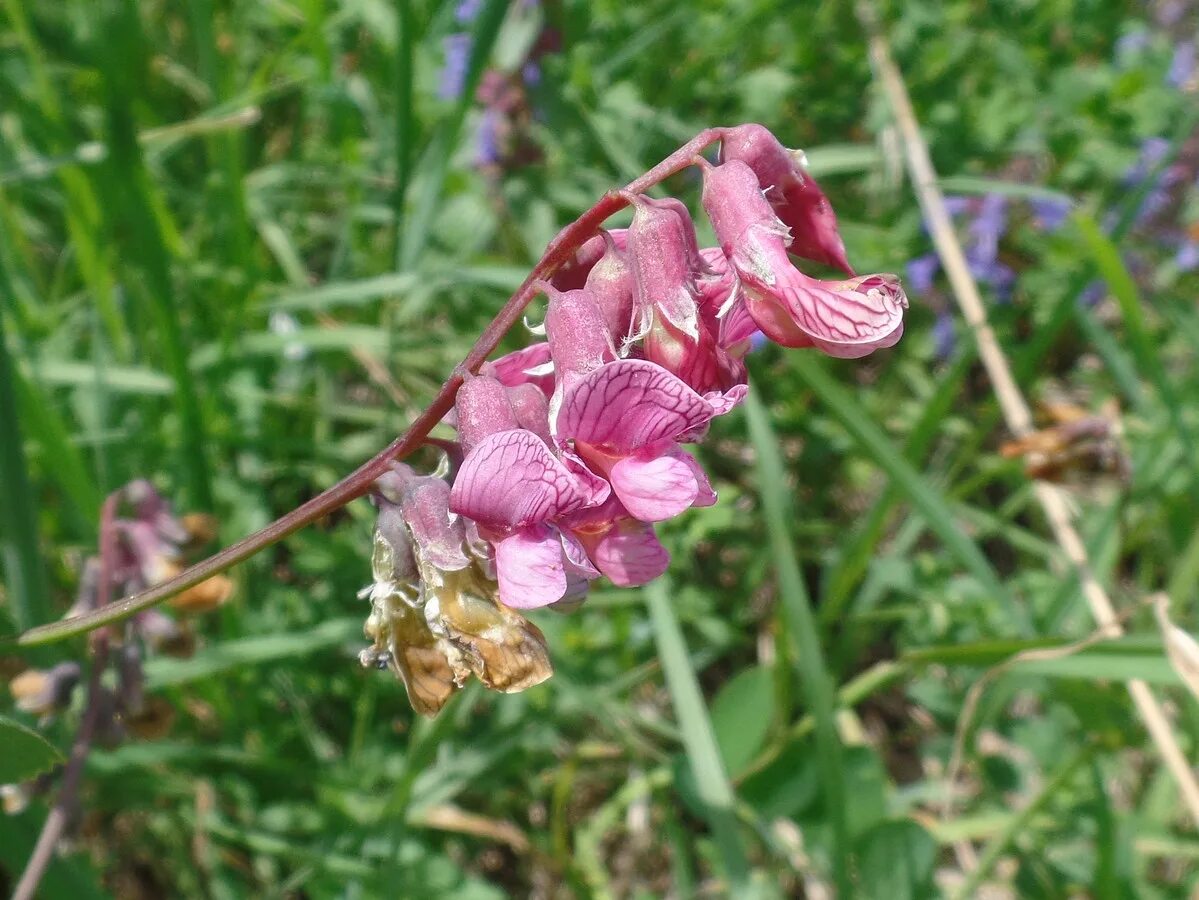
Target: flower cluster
571	450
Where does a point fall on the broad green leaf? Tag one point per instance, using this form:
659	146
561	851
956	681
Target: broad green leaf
895	861
24	753
741	715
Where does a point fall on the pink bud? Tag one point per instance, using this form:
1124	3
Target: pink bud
482	408
611	284
532	410
794	194
573	273
665	259
577	332
846	319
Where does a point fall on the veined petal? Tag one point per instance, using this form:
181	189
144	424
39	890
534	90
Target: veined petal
511	479
654	487
529	568
629	404
847	319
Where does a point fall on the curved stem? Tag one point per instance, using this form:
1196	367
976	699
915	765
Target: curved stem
60	814
359	482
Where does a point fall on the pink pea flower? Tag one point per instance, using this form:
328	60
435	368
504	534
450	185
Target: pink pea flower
514	487
625	420
529	365
677	335
794	194
846	319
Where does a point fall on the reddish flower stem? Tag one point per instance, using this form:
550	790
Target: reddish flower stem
60	813
359	482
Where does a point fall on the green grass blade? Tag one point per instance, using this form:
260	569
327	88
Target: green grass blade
699	739
405	128
441	147
887	457
24	577
800	623
1018	824
136	212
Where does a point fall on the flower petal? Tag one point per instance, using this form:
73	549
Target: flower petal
526	366
845	319
438	536
629	404
631	554
511	479
529	567
654	487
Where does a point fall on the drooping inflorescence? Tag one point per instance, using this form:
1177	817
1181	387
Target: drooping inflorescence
570	450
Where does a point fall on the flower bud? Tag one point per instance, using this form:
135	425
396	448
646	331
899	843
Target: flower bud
578	333
611	284
482	408
794	194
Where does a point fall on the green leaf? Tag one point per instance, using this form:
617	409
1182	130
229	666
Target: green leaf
24	753
741	715
703	755
895	861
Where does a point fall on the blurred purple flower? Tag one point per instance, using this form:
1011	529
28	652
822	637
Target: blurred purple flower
1092	293
986	230
1130	45
1049	213
1187	257
487	150
457	58
1153	151
922	272
467	10
944	336
1182	66
530	73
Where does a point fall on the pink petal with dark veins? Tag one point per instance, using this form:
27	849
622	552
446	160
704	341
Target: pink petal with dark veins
629	404
510	480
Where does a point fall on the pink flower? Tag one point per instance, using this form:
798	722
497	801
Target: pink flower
625	420
668	269
847	319
794	194
529	365
514	487
573	274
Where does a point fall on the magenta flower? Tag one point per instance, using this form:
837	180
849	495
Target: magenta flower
626	420
513	486
610	283
795	196
847	319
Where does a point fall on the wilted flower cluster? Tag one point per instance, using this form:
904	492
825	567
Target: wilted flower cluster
571	450
150	544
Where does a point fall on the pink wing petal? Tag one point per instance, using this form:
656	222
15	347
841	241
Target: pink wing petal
704	495
846	319
630	554
594	487
654	487
629	404
529	567
524	366
575	554
510	480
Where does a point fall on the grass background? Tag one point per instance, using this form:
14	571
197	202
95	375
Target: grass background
241	243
